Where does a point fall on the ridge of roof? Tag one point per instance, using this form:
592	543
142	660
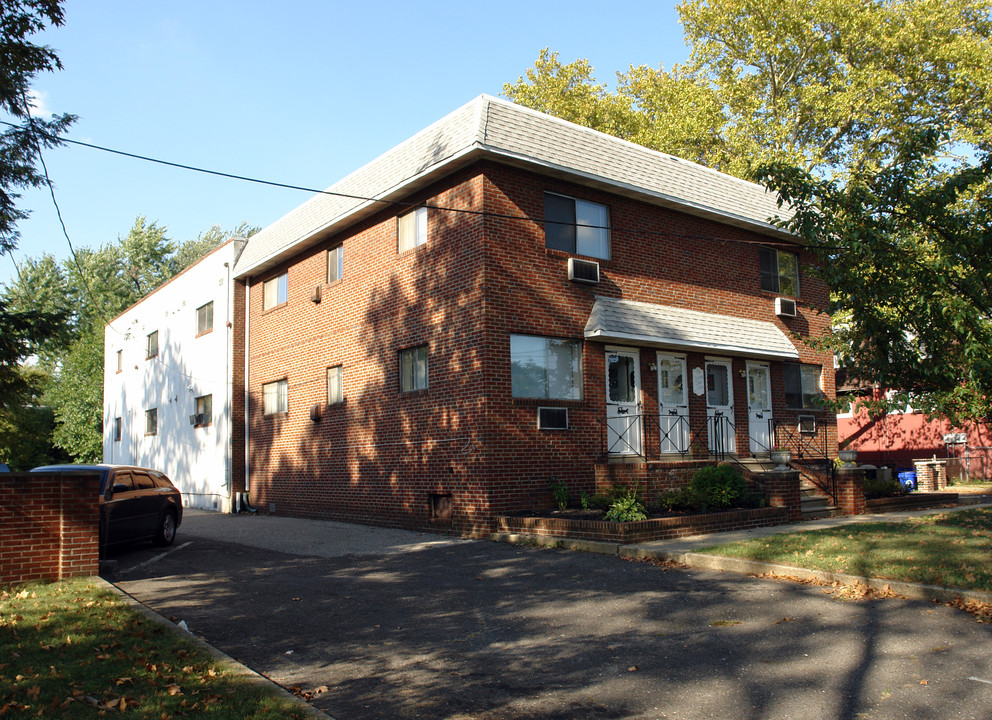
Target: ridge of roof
493	127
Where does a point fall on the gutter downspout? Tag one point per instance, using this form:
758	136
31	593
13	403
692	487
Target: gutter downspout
247	478
229	394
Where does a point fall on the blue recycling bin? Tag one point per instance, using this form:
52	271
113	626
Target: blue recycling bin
907	479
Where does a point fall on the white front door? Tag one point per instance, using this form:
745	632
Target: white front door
623	402
673	404
720	407
759	407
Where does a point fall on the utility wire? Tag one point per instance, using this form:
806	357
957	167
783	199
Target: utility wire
405	204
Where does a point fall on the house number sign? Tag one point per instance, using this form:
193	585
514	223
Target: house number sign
698	381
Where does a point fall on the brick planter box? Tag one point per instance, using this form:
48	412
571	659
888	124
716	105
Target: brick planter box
914	501
644	530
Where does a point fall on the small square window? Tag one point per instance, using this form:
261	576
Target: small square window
275	291
335	385
576	226
779	271
151	345
413	229
205	318
151	421
275	397
413	369
335	264
552	418
117	429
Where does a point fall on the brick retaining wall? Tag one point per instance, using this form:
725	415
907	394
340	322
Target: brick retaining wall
50	526
645	530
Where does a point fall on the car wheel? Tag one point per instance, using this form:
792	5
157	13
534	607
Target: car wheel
166	528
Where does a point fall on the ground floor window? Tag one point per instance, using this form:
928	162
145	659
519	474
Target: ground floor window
542	367
802	385
413	369
151	421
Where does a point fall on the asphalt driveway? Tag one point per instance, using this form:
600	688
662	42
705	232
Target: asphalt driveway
388	624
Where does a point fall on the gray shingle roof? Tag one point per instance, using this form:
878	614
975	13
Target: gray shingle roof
613	320
495	128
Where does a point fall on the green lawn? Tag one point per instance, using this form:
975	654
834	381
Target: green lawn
947	549
73	650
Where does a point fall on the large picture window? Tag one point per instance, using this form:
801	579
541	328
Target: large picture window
779	271
543	367
275	291
802	385
275	397
576	226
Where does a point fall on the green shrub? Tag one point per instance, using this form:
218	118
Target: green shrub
626	509
717	486
677	499
878	488
559	491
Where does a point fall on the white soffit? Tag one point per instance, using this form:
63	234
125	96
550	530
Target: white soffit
640	323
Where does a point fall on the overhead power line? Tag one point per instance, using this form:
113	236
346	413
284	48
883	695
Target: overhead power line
398	203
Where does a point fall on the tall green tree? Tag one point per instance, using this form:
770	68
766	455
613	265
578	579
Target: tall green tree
21	142
874	118
909	245
827	85
87	291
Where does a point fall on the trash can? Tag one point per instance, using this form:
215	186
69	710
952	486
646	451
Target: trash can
907	479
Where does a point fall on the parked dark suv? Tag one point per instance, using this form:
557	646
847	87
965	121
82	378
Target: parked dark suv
136	504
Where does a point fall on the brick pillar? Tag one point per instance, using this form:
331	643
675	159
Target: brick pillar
850	490
931	475
783	491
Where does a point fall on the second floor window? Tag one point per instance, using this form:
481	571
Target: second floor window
335	264
275	397
117	429
151	345
413	229
120	360
576	226
413	369
275	291
335	385
205	318
779	271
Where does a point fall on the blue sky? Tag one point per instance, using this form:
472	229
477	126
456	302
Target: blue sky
299	92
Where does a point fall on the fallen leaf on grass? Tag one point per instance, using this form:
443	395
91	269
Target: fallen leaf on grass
923	682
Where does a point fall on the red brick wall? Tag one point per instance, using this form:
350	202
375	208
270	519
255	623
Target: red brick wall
50	526
380	455
659	256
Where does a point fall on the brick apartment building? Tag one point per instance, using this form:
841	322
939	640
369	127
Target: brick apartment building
505	301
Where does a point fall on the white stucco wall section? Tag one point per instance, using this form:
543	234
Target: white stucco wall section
187	366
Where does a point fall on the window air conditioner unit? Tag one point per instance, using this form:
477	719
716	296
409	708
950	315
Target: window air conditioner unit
315	295
585	271
784	307
197	419
551	418
806	424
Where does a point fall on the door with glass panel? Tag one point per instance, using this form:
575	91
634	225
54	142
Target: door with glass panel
623	402
759	407
720	407
673	404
